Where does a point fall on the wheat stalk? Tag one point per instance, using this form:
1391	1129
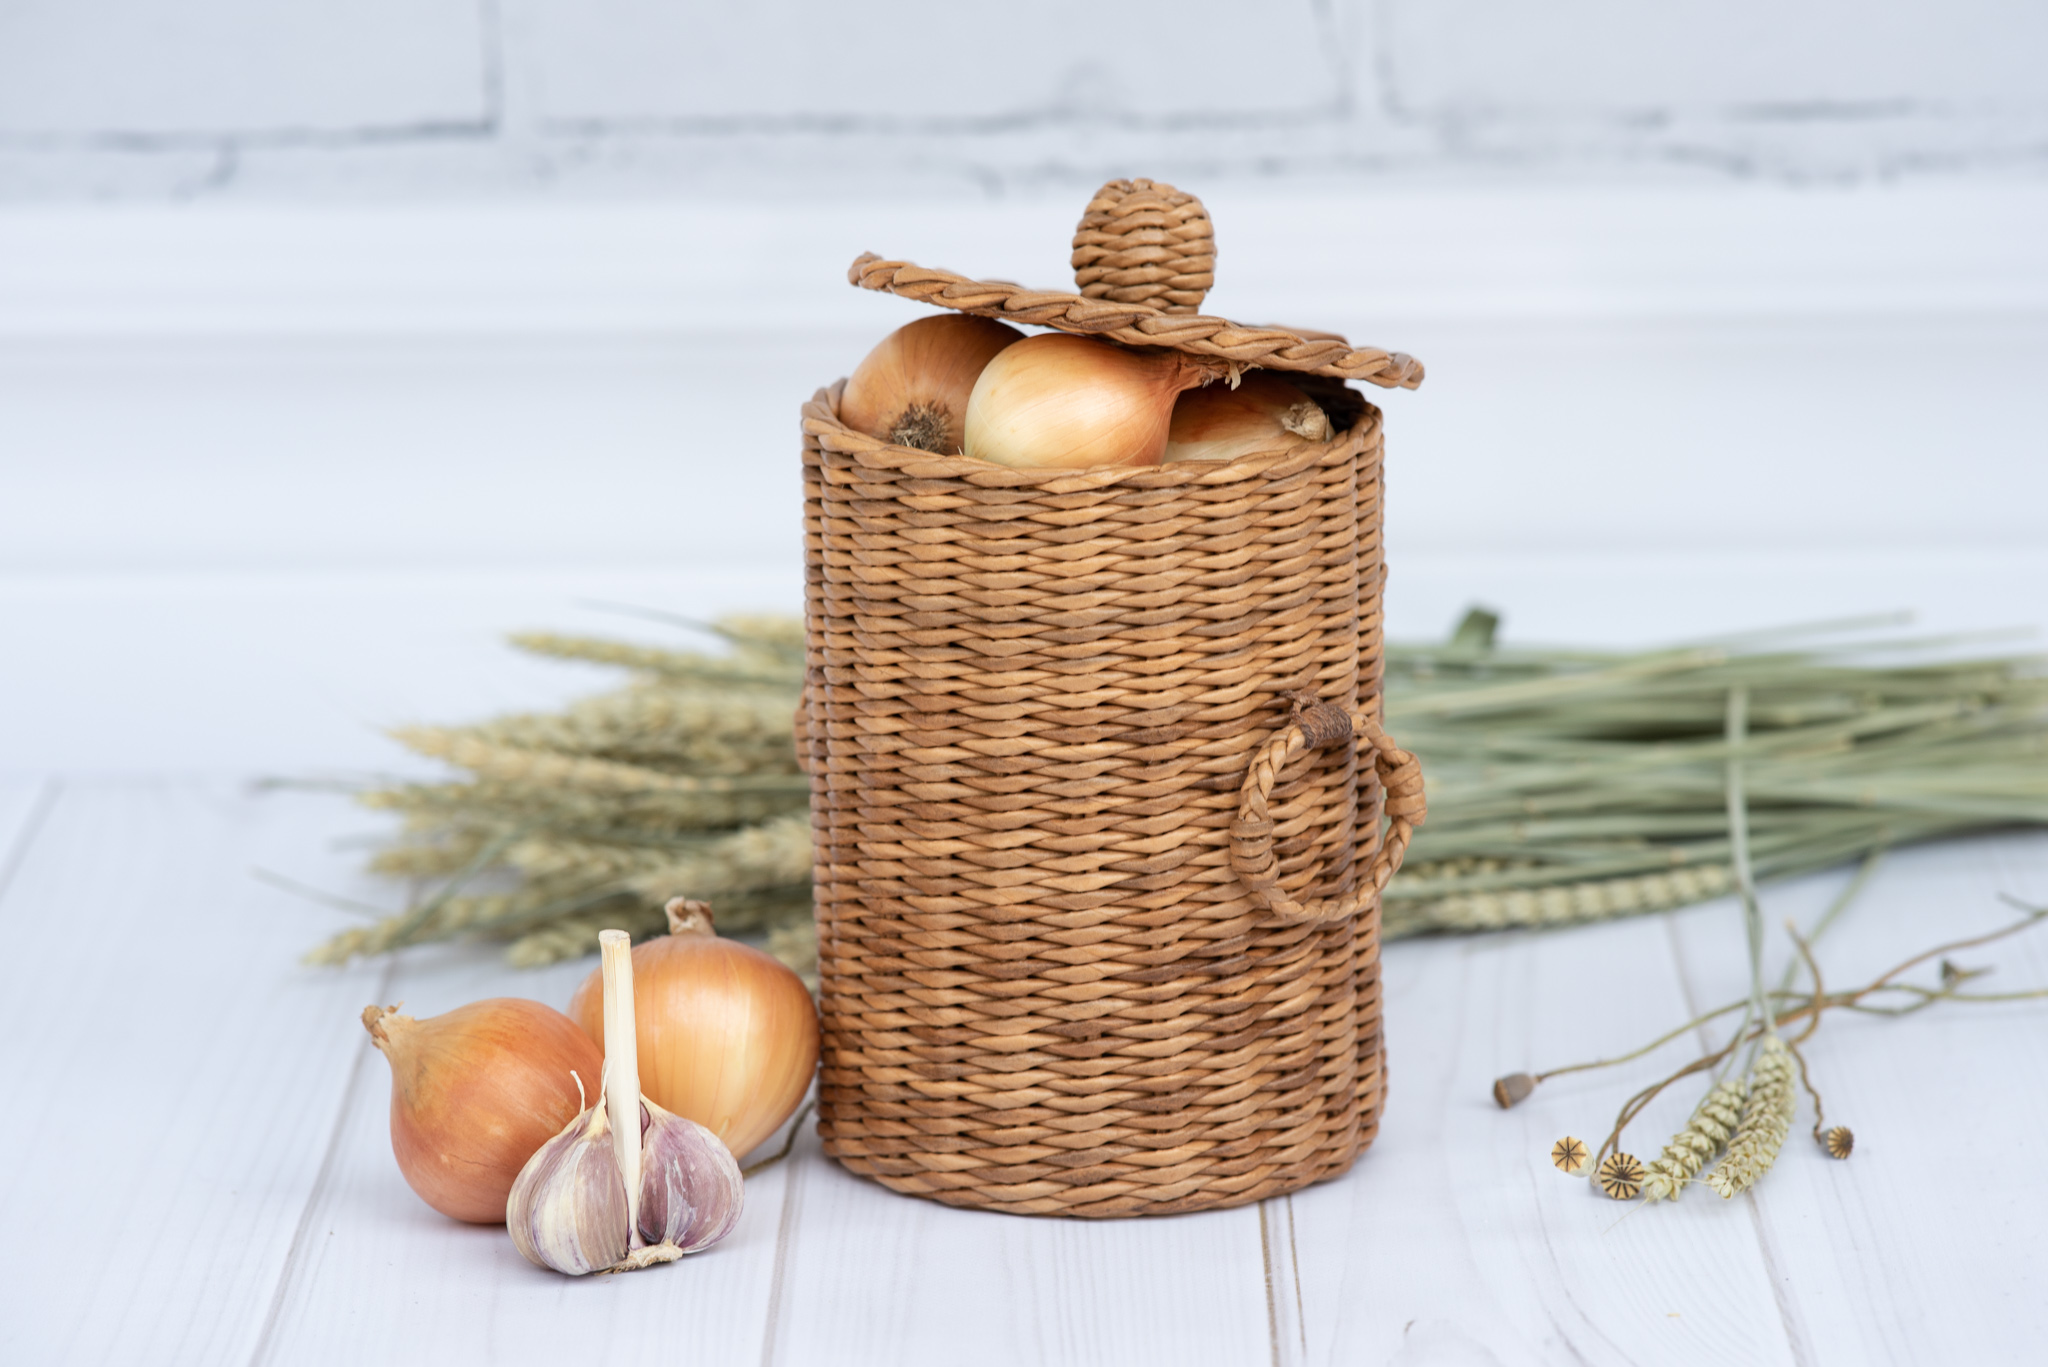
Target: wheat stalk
767	667
1713	1121
543	768
692	730
1766	1120
433	807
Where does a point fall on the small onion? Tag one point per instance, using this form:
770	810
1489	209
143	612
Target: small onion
1262	414
474	1092
912	388
1068	402
728	1036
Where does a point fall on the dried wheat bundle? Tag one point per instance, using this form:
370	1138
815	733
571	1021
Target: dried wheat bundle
684	780
1564	785
1579	785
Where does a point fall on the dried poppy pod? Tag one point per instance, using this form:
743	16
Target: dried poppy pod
1621	1177
1840	1142
1514	1088
1569	1155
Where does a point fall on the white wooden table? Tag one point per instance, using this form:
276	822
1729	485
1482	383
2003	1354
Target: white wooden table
235	558
202	1171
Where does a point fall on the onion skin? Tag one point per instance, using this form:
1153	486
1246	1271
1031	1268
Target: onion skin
912	389
1264	413
475	1092
728	1036
1071	403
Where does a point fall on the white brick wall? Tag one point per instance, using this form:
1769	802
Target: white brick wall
404	99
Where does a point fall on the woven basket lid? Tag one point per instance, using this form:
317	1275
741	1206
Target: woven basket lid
1144	255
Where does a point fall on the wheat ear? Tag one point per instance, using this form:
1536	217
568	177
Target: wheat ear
1713	1122
1766	1119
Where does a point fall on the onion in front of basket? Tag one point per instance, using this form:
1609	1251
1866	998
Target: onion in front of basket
474	1092
726	1035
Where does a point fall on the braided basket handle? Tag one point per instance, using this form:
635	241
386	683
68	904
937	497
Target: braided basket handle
1251	834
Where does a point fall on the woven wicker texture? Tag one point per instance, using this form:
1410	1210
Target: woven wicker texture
1144	254
1097	783
1141	242
1032	707
1252	836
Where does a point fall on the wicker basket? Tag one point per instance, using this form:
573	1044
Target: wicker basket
1097	782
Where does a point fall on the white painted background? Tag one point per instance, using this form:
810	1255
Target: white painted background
436	98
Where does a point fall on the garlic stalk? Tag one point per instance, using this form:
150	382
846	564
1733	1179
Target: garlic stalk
625	1184
622	1070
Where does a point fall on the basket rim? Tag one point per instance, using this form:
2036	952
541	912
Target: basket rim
1199	334
821	421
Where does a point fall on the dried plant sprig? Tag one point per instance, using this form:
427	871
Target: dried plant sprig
432	808
510	764
1515	1087
688	729
1795	1008
1766	1120
1712	1124
763	669
575	935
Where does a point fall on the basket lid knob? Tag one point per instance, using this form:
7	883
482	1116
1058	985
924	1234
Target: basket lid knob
1144	242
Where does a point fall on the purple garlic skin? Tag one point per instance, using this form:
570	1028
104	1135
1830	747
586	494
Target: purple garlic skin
567	1210
691	1190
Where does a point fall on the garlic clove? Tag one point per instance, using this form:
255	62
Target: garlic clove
567	1210
691	1190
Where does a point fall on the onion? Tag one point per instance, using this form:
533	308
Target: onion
1072	402
912	388
1218	423
728	1036
475	1092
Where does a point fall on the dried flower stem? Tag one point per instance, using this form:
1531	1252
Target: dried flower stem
1812	1006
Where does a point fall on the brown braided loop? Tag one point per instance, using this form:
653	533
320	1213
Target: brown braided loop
1133	324
1315	725
1144	242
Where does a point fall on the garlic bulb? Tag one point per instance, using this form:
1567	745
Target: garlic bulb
571	1214
625	1184
474	1092
727	1035
1068	402
912	388
1263	413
